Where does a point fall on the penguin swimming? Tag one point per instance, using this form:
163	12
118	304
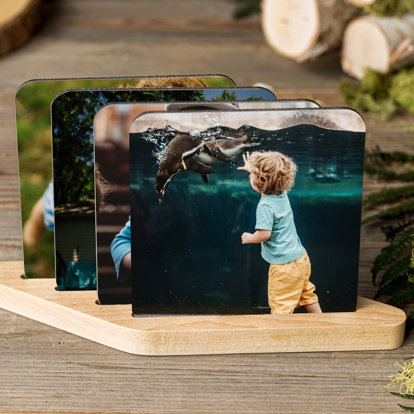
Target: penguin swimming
171	163
186	152
223	149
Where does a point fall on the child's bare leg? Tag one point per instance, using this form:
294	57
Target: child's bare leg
34	226
313	308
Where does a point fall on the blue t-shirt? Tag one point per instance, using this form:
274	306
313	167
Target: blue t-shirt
48	208
121	245
283	246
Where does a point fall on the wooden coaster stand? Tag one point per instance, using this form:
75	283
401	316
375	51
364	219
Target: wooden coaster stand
374	325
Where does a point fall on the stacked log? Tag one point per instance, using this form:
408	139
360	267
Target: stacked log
379	43
18	21
360	3
305	30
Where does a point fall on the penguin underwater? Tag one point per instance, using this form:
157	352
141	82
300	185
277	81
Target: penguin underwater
187	152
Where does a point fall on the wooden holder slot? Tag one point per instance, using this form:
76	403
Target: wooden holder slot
374	325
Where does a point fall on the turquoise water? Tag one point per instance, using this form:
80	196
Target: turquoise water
187	253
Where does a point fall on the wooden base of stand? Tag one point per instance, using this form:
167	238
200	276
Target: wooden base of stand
373	325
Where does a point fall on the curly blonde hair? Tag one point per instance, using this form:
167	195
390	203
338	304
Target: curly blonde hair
172	82
272	172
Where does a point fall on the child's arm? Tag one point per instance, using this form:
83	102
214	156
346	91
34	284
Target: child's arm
126	261
259	236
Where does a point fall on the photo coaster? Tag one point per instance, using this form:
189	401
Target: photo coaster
112	166
33	100
191	205
73	166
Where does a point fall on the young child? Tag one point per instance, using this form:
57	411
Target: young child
272	174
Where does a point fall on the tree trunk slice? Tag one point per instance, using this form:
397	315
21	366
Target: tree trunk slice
360	3
379	43
18	20
305	30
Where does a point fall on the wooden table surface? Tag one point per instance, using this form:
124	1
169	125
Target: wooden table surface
45	369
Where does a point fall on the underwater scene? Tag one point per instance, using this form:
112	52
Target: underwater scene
187	255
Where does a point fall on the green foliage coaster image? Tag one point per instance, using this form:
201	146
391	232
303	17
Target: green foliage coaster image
33	100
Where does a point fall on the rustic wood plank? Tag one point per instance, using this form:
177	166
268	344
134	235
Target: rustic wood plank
46	369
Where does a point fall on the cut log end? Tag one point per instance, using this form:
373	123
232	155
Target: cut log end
305	30
360	3
365	45
18	21
290	27
381	44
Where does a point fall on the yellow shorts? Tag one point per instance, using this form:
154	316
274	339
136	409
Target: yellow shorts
289	286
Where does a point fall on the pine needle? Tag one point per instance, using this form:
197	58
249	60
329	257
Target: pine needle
399	284
389	175
407	396
396	212
390	253
391	231
390	195
246	8
377	157
406	293
396	270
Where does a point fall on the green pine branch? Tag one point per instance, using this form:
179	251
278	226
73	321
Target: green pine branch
406	293
390	253
390	195
400	267
378	157
411	409
389	175
246	8
398	284
401	395
396	212
391	231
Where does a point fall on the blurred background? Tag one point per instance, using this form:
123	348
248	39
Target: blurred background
357	53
